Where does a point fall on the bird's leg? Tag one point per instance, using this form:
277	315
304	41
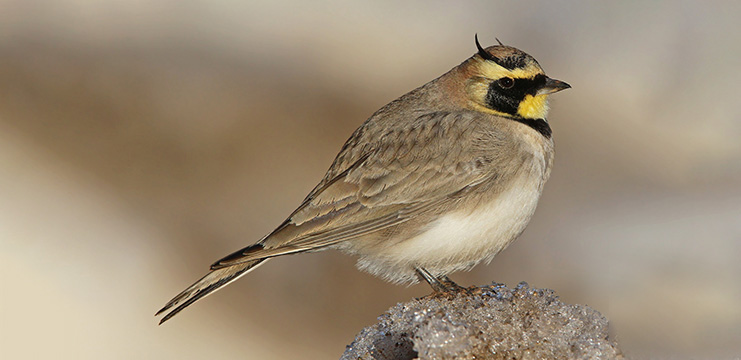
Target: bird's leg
450	284
436	285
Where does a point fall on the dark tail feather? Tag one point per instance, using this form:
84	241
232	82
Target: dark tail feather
214	280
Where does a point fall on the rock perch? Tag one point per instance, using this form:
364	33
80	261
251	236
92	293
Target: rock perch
489	322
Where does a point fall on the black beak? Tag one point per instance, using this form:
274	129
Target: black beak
552	85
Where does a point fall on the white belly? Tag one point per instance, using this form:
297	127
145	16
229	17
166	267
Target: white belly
460	240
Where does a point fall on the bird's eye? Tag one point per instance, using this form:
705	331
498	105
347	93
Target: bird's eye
506	82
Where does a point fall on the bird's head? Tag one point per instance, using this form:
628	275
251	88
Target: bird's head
505	81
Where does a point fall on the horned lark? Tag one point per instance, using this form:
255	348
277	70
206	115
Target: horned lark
437	181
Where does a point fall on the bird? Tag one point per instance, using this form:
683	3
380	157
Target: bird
437	181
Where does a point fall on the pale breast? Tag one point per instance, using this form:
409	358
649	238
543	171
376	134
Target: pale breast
461	239
482	225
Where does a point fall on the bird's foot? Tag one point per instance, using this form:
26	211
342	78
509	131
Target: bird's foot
450	285
440	285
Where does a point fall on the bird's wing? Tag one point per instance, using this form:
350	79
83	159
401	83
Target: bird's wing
394	175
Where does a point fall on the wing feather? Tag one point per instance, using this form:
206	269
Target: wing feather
402	173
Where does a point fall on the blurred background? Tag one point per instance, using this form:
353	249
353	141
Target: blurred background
142	140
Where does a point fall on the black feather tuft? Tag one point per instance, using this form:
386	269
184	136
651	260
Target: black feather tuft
483	53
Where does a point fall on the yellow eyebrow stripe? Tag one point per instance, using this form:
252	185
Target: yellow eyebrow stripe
494	71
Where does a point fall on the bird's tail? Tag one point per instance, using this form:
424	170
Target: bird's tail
214	280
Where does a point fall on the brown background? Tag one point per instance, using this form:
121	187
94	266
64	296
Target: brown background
140	141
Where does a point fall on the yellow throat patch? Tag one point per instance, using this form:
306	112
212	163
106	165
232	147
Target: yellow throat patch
533	107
